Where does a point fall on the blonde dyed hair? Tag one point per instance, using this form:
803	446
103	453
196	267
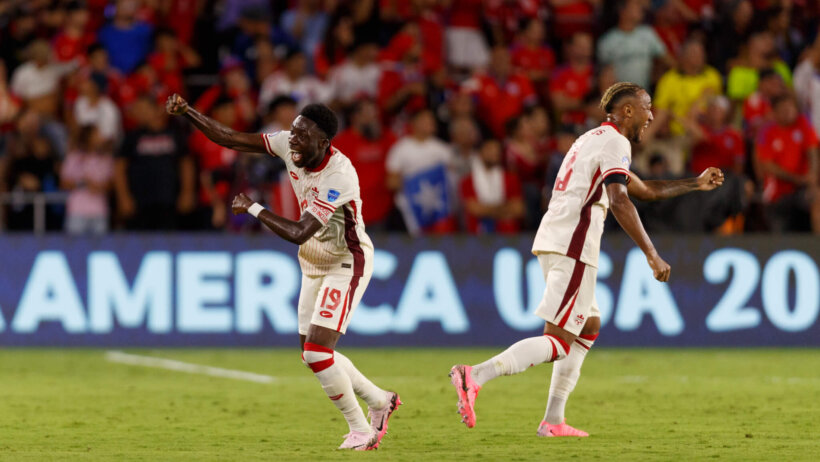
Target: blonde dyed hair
617	92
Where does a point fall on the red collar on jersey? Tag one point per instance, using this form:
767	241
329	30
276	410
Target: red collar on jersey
610	124
326	159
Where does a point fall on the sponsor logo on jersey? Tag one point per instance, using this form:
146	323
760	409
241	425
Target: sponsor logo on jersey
625	160
332	195
294	176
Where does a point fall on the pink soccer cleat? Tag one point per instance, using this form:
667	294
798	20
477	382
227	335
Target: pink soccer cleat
379	417
562	429
361	441
467	391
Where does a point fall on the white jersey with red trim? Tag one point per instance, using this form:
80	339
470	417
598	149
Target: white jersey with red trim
575	220
330	193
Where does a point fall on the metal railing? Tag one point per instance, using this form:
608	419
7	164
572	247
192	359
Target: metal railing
39	200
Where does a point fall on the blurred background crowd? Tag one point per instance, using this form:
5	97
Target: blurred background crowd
456	113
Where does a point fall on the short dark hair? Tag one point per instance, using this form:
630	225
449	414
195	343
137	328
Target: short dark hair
617	92
281	100
323	117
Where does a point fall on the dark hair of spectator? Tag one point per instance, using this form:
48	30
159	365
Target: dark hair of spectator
323	117
512	124
766	73
782	98
83	139
616	92
164	32
280	100
330	47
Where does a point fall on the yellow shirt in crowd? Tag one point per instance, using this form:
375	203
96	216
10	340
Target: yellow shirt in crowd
677	92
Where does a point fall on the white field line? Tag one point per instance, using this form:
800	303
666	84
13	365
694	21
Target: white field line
190	368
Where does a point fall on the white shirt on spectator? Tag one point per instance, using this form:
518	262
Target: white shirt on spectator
807	89
104	115
306	90
349	81
30	81
409	155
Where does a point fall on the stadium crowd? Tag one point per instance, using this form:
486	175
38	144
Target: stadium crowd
456	113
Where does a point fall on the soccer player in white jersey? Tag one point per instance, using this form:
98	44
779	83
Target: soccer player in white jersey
335	253
593	178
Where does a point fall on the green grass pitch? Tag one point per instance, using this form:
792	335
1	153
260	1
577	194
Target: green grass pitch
637	404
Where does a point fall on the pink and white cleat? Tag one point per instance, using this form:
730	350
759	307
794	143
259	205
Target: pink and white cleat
467	391
562	429
361	441
379	417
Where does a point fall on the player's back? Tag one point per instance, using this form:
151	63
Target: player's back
574	221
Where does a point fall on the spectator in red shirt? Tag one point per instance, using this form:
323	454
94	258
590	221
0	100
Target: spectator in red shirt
573	16
500	93
788	163
491	196
74	38
367	144
571	82
169	58
757	109
402	87
716	143
466	46
333	49
234	84
528	163
532	57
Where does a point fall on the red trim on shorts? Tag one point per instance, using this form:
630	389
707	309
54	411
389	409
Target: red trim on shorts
565	318
352	239
576	244
610	124
571	292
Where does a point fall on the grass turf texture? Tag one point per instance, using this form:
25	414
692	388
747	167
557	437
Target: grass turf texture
636	404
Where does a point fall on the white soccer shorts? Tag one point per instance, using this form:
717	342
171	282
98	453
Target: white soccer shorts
569	298
329	301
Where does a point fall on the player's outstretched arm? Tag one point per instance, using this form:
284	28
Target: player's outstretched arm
215	131
655	190
627	216
297	232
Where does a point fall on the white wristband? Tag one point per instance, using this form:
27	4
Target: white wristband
255	209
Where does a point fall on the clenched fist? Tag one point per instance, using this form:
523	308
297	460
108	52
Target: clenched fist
176	105
710	179
240	204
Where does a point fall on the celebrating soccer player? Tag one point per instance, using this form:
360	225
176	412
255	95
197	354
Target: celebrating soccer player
335	253
594	177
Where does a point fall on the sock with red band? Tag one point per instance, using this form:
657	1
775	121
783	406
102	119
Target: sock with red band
564	378
336	384
520	356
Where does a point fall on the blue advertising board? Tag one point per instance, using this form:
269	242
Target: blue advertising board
229	290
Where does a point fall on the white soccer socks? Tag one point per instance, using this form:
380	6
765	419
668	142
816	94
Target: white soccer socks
564	377
520	356
336	384
374	396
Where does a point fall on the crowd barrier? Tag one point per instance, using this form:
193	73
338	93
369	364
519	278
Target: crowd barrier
237	290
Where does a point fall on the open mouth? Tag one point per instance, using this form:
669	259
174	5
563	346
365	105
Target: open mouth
296	156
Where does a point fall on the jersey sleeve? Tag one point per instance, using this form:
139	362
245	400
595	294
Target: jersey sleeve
276	143
334	192
616	157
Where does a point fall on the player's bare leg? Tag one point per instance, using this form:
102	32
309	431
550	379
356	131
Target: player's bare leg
319	355
468	380
565	376
380	403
